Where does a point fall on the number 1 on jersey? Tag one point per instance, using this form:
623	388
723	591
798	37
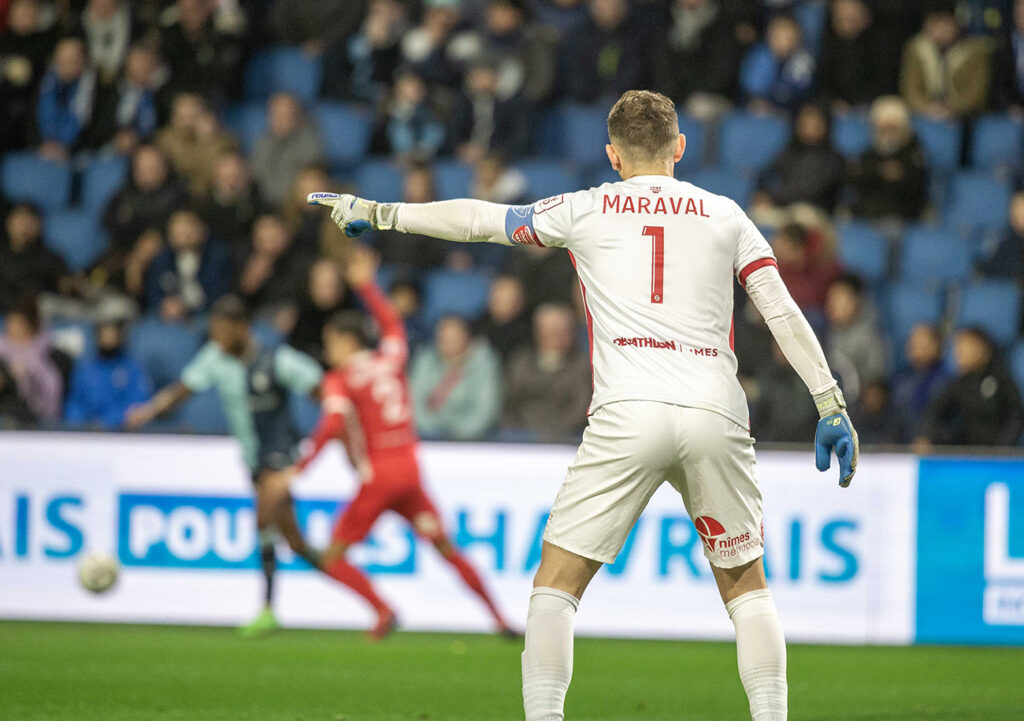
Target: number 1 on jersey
657	235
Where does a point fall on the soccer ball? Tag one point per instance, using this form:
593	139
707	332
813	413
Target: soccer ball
97	572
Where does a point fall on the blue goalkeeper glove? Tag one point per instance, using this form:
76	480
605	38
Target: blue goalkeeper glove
835	433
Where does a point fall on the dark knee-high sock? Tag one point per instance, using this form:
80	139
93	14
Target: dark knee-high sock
475	583
268	559
344	572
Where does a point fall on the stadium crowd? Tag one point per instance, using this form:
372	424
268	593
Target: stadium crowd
157	156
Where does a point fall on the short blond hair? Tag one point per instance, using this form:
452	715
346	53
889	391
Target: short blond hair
643	125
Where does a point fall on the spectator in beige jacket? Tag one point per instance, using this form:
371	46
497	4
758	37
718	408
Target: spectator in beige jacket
945	74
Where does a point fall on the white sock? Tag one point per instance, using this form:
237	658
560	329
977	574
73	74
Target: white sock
761	653
547	660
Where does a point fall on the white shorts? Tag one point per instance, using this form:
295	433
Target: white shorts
629	449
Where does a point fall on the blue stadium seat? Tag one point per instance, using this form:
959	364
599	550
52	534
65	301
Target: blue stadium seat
933	254
994	306
863	250
905	304
811	17
1017	364
346	132
76	236
584	133
248	121
997	142
452	179
380	180
101	179
724	182
851	135
941	142
28	178
164	349
283	69
448	292
696	141
545	178
977	201
202	413
750	142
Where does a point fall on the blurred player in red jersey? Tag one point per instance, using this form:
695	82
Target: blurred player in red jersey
366	405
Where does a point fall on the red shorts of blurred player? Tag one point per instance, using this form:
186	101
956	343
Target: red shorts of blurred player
396	486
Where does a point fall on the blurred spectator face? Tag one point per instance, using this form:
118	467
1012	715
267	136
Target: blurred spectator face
193	14
608	14
487	171
310	180
890	124
185	112
783	36
874	398
439	19
452	339
1017	213
553	330
230	176
325	284
924	346
410	90
503	18
842	303
941	28
140	65
406	299
482	80
811	125
149	168
849	18
20	328
69	60
270	235
23	17
185	231
109	339
284	115
23	227
971	352
506	300
418	186
790	246
102	9
1018	14
207	124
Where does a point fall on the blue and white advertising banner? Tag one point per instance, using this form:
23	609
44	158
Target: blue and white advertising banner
970	572
177	513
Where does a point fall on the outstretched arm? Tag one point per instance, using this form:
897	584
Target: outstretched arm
163	402
332	424
361	275
803	351
462	221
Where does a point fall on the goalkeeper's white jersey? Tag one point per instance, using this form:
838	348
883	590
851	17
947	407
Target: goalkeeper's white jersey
656	259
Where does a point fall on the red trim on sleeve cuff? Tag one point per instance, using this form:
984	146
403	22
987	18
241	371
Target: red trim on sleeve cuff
756	265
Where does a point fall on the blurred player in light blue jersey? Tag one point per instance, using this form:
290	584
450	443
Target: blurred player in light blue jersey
253	383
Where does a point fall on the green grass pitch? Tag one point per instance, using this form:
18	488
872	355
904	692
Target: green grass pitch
82	672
